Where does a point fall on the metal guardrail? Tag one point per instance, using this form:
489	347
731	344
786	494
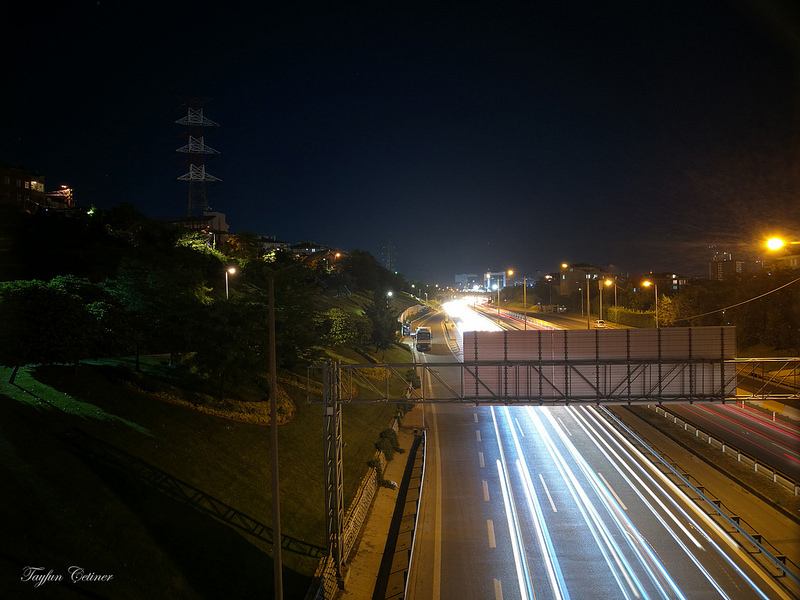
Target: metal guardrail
726	448
781	568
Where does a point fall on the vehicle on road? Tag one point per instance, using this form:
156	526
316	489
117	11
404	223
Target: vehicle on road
599	324
424	339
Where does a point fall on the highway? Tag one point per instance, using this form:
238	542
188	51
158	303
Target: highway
775	443
557	503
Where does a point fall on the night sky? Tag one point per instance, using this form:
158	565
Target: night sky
468	136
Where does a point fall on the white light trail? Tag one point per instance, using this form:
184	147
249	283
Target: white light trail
646	557
610	550
517	545
666	482
467	319
548	553
513	530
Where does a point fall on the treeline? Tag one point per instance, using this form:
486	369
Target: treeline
764	306
116	283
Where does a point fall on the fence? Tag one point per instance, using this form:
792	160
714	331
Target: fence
325	583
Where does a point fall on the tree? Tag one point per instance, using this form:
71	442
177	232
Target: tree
296	294
233	344
384	323
244	246
361	271
44	324
165	301
337	327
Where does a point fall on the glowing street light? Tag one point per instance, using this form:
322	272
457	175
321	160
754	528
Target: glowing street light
775	243
655	287
611	282
228	271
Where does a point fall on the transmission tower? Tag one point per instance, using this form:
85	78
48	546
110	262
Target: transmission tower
196	151
388	257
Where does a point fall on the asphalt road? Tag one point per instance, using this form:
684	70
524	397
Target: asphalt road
554	503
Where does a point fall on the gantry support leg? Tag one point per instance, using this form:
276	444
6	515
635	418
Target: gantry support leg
334	503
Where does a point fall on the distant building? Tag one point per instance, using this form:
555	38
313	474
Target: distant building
270	242
494	280
667	282
722	266
309	248
211	223
788	260
467	281
573	278
21	189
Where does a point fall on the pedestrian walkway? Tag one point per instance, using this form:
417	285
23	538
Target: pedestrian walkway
362	572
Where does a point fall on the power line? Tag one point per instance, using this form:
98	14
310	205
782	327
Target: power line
740	303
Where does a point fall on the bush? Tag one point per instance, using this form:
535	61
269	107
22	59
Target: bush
385	446
390	435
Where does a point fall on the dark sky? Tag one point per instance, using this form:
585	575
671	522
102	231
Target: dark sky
470	136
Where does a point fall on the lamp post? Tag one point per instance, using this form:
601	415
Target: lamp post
609	282
277	552
588	313
600	307
525	303
277	559
655	288
231	271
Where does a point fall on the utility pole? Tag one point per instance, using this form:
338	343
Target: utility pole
525	302
277	558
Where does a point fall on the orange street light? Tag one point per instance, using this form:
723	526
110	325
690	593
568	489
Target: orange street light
655	287
775	243
610	282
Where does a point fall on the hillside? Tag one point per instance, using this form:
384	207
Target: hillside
97	476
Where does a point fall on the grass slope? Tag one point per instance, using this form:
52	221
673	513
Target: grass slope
65	508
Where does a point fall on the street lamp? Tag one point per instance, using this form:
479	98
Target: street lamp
588	313
775	243
610	282
228	271
525	303
600	283
655	287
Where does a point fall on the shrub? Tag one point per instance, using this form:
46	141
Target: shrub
385	446
390	435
